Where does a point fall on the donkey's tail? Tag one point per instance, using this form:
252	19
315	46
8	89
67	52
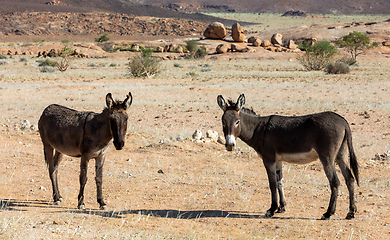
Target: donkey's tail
352	157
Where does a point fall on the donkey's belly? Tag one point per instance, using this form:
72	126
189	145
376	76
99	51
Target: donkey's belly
297	158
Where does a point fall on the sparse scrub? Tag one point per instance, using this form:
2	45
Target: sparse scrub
92	65
317	56
144	65
2	56
23	59
103	38
3	62
47	62
347	60
337	68
194	50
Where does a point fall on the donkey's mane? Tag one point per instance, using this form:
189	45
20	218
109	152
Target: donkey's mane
248	111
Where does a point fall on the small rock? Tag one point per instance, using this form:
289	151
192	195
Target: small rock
213	135
25	124
160	171
197	135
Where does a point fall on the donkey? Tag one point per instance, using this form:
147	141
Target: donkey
82	134
297	140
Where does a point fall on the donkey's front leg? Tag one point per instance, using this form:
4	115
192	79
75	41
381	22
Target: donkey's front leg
271	172
83	181
99	181
282	199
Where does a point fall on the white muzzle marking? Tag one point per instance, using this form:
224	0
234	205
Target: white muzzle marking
230	142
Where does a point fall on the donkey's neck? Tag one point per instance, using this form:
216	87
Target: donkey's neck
251	124
100	124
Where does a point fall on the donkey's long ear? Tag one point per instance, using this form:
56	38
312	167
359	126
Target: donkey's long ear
128	101
109	101
240	102
221	102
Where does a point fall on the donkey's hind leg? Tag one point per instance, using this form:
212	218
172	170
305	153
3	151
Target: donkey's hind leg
279	178
334	182
349	179
52	163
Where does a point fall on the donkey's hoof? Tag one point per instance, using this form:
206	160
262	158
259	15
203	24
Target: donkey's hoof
57	202
350	215
281	210
269	214
81	207
104	207
326	216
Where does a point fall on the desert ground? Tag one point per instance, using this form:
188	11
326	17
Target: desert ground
165	185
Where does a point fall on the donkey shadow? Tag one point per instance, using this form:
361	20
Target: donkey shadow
193	214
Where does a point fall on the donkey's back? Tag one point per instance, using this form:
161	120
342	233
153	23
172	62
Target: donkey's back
62	128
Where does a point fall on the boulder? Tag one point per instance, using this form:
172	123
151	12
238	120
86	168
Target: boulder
216	30
160	49
238	33
213	135
257	42
291	45
277	39
265	43
222	48
252	39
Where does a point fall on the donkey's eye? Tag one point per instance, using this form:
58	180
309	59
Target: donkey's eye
237	123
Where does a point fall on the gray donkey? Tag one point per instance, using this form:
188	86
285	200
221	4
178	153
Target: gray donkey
82	134
296	140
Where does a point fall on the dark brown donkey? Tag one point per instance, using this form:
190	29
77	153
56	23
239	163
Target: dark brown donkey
297	140
82	134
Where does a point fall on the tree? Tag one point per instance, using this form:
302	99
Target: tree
355	43
318	55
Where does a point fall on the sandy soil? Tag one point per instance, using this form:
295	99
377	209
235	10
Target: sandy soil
204	191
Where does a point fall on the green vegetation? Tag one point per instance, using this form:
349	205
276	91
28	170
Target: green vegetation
144	65
318	55
103	38
355	43
194	50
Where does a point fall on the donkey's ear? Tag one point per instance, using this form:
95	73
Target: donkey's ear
109	101
240	102
128	101
221	102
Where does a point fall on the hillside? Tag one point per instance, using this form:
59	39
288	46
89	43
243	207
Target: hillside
179	8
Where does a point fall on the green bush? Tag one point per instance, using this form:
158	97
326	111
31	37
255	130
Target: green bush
194	50
318	55
47	69
144	65
103	38
2	56
337	68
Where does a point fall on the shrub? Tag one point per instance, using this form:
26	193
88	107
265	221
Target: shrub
194	50
23	59
47	62
47	69
318	55
3	62
2	56
103	38
337	68
63	64
144	65
347	60
355	43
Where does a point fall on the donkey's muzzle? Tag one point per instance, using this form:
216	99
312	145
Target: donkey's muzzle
230	142
119	145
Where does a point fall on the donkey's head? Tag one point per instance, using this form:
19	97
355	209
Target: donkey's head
231	119
118	118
